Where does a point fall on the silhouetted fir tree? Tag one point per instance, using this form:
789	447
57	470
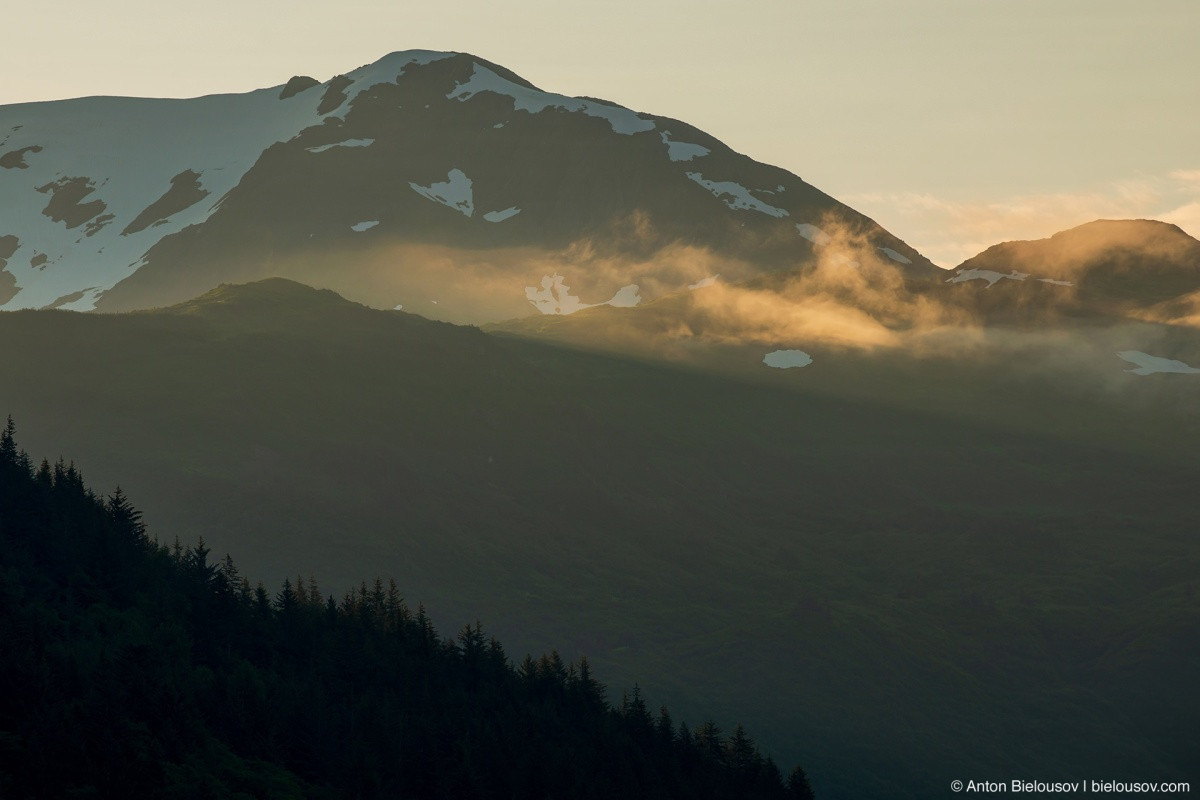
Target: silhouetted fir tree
231	580
633	709
708	740
148	671
742	756
664	726
798	786
262	600
8	443
315	598
126	518
285	601
590	691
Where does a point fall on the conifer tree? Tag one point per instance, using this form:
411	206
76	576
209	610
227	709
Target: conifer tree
798	785
285	601
8	442
742	754
127	518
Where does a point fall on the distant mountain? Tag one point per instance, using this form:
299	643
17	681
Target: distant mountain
436	181
1118	268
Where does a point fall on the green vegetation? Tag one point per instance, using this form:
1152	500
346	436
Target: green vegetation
137	670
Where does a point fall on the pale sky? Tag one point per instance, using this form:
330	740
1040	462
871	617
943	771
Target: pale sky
955	124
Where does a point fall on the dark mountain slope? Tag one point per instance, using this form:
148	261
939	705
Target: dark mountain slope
891	595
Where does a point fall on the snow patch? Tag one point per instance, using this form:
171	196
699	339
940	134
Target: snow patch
700	284
347	143
554	297
86	301
736	196
359	227
989	275
217	137
683	151
1056	283
500	216
454	193
787	359
626	297
534	101
813	233
897	257
389	69
1145	364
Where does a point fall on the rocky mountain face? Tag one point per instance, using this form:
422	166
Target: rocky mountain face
438	182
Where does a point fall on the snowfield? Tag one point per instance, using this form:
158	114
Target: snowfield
534	101
989	275
683	151
347	143
736	196
455	192
87	147
992	277
898	257
813	233
554	297
1145	364
500	216
787	359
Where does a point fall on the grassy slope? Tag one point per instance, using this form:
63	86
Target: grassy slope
896	597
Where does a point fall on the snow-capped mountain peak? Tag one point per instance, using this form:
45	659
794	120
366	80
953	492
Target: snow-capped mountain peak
117	202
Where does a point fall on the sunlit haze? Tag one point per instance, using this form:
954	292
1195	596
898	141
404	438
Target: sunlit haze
954	124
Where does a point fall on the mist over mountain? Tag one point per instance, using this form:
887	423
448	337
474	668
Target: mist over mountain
1130	300
436	181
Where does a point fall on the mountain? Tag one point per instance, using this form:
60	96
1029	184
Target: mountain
868	561
434	181
1140	269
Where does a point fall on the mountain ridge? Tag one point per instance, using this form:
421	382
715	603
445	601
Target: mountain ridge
353	180
1136	269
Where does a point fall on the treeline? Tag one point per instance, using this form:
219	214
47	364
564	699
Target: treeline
132	669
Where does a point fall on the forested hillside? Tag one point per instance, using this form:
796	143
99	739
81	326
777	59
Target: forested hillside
135	669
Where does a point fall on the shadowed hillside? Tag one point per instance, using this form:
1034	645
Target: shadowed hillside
894	569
